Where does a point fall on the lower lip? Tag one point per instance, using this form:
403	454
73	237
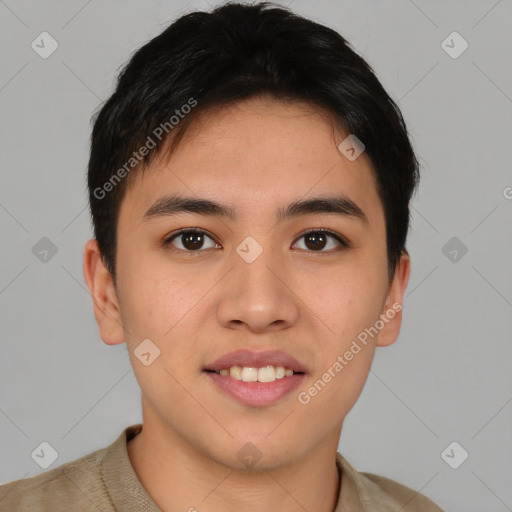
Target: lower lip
257	393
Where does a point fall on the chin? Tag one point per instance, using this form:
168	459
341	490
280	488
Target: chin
255	454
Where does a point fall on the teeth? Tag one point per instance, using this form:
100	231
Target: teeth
249	374
235	372
267	373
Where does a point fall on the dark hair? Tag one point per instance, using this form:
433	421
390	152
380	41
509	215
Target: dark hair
237	51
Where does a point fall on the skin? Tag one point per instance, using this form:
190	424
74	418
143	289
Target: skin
256	156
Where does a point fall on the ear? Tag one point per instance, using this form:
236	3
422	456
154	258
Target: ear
392	311
103	292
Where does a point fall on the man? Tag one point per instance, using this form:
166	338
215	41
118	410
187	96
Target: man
249	186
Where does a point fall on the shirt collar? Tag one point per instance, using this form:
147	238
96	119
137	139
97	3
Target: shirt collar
127	493
124	487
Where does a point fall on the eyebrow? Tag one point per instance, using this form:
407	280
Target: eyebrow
340	205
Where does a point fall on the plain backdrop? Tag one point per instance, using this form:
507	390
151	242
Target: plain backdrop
448	376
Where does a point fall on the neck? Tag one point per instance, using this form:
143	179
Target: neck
178	478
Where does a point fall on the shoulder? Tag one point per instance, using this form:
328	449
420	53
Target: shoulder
377	493
66	487
409	499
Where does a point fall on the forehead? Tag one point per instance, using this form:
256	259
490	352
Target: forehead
257	153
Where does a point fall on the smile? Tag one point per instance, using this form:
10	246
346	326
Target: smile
268	373
255	392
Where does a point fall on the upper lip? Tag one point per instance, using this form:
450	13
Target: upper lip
256	359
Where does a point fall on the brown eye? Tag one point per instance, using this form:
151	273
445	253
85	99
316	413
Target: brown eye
318	240
315	241
190	240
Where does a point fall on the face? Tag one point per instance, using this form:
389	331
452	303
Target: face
303	285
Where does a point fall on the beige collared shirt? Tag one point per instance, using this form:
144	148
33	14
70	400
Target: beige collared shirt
105	481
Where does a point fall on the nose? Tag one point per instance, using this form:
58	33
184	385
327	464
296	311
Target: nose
257	296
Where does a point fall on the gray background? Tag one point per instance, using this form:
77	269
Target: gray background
448	377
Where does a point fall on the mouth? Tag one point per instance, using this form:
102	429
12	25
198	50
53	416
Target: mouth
268	373
256	378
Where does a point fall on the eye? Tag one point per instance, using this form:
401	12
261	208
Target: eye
318	239
190	240
193	240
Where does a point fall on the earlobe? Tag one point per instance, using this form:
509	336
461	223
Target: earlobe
392	311
101	286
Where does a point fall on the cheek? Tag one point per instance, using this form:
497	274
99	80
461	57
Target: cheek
159	307
346	301
345	352
155	300
333	393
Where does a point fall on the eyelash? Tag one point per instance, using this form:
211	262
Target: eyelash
344	243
